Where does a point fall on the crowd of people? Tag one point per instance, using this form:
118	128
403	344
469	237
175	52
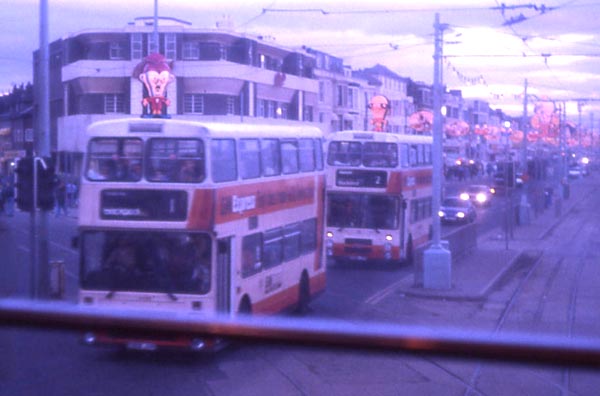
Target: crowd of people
65	195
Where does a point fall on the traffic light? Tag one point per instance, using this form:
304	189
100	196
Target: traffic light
510	174
46	181
24	184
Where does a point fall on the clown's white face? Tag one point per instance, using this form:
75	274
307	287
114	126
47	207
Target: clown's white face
156	82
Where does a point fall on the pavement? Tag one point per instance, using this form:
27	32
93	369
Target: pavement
475	272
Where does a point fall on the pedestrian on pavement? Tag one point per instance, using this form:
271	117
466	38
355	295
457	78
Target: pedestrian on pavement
71	194
8	196
60	197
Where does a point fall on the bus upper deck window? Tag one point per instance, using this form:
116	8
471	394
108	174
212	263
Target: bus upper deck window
175	160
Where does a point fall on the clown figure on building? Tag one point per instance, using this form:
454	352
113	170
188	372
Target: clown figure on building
155	73
379	106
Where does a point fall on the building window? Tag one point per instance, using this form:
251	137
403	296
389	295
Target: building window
210	51
152	44
352	98
308	113
260	108
193	103
230	105
283	111
340	95
117	51
321	91
113	103
170	46
271	109
136	46
191	50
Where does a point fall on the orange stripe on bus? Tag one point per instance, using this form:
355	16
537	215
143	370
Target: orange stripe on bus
237	202
289	297
201	211
409	180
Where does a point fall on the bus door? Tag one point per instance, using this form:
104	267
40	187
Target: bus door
224	264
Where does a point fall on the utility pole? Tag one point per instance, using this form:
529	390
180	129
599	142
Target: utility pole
437	261
155	30
524	204
41	270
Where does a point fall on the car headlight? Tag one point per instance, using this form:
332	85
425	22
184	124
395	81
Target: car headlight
441	213
464	196
460	215
493	190
481	198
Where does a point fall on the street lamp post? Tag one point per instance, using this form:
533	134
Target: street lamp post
524	207
437	261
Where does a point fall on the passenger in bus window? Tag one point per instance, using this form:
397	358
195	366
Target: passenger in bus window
159	175
135	170
188	171
101	171
121	169
123	259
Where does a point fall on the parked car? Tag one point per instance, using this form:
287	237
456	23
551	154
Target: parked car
479	194
456	210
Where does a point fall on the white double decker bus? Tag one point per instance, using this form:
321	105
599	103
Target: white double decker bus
378	199
201	218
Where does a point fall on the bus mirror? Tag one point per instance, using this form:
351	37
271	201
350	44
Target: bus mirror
75	242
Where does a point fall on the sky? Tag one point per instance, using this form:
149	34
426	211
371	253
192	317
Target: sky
489	50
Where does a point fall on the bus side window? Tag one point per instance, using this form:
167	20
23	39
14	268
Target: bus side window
306	149
249	158
270	157
291	241
319	153
273	247
289	156
428	158
308	236
412	155
223	160
251	254
404	155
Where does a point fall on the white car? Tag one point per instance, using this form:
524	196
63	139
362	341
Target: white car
479	194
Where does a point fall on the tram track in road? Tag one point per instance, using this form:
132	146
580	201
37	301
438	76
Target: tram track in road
533	284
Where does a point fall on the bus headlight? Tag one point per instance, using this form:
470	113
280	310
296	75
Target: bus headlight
89	338
464	196
197	344
460	215
329	245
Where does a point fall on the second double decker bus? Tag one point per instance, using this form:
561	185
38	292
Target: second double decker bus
378	196
202	218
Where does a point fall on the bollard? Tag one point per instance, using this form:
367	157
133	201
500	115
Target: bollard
57	278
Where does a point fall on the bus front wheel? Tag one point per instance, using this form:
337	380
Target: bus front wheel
303	294
245	307
410	253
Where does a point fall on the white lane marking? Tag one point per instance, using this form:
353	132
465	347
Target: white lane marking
380	295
